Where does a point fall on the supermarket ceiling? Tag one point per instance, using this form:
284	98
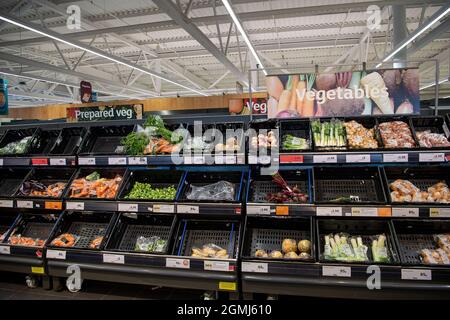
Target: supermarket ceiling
143	48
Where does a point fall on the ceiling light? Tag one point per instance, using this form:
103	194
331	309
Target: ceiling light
238	24
58	37
433	84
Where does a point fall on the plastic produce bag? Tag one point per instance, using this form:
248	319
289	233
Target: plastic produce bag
145	244
210	250
379	249
341	247
219	191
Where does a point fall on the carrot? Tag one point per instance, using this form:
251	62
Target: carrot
301	89
294	84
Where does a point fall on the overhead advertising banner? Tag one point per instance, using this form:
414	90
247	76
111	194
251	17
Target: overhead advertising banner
243	106
85	92
101	113
3	96
380	92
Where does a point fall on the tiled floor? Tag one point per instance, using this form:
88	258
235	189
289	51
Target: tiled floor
13	287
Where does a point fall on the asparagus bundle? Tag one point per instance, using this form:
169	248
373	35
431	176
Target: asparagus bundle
329	134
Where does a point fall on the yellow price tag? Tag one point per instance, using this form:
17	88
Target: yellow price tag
230	286
38	270
434	212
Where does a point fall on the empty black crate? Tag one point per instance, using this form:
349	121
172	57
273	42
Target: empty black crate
415	235
130	227
433	124
368	229
296	128
69	141
86	227
268	233
47	177
107	173
348	185
368	123
421	177
6	222
229	131
35	226
45	140
261	185
201	179
105	140
198	233
11	180
16	135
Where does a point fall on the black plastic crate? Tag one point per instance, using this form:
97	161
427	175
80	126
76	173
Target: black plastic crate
297	128
157	179
268	233
421	177
11	180
261	185
366	228
86	226
45	140
37	226
230	130
108	173
193	233
415	235
404	119
199	178
434	124
15	135
362	184
7	220
368	123
47	177
328	148
105	140
130	227
265	126
68	142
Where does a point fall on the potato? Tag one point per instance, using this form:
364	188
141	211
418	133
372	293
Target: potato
276	254
343	107
289	245
274	87
261	254
304	256
304	246
291	255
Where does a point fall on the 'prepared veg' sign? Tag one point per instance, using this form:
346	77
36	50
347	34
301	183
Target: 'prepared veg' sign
380	92
101	113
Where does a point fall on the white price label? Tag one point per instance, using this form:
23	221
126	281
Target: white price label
356	158
181	208
230	159
58	162
416	274
258	210
164	208
252	160
178	263
264	159
329	211
395	157
75	205
188	160
113	258
364	212
216	265
128	207
1	162
325	159
24	204
137	160
56	254
240	159
117	161
255	267
5	250
440	212
431	157
219	159
6	203
86	161
198	160
405	212
340	271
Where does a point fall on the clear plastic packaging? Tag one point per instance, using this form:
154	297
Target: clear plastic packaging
153	244
65	240
342	247
379	249
219	191
210	250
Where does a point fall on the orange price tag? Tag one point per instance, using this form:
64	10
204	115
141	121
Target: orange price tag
53	205
282	210
384	212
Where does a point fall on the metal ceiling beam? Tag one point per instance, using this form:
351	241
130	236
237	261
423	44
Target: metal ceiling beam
21	6
18	93
175	13
429	37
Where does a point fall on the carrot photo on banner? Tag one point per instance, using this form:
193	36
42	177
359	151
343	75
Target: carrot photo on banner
349	93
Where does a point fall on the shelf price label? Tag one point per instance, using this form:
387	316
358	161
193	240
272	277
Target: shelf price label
128	207
325	158
6	203
440	212
86	161
254	210
113	258
5	250
56	254
178	263
75	205
336	271
255	267
291	158
416	274
1	162
364	212
53	205
405	212
264	159
216	265
432	157
329	211
137	160
24	204
39	161
252	159
117	161
164	208
395	157
357	158
58	162
181	208
230	159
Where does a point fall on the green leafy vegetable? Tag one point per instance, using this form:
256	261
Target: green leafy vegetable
94	176
142	190
135	143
